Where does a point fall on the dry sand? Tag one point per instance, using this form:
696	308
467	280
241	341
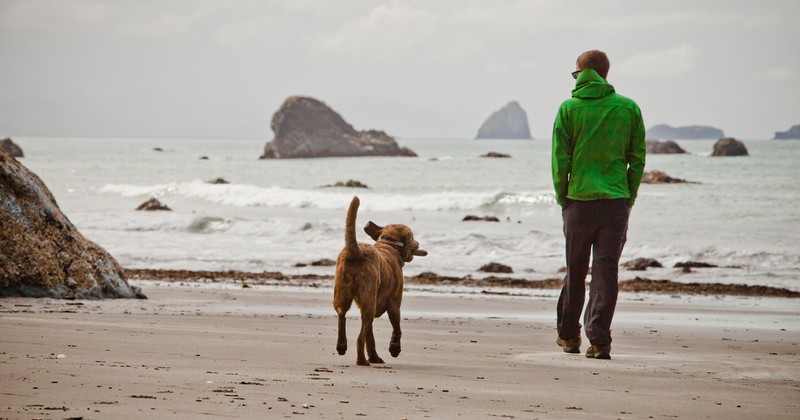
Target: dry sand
195	350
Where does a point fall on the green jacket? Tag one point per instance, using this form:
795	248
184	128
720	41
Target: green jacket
598	143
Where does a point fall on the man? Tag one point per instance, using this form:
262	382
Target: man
598	162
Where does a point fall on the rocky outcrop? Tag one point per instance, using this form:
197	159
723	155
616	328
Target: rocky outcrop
793	133
153	205
11	148
495	267
657	147
658	177
496	155
510	122
640	264
729	147
692	132
350	183
307	128
41	253
473	218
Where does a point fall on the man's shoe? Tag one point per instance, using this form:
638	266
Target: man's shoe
598	352
570	346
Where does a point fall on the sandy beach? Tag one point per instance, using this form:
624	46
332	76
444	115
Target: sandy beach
222	350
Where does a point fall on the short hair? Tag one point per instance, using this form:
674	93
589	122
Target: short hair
595	60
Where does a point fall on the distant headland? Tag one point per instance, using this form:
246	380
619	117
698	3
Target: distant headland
691	132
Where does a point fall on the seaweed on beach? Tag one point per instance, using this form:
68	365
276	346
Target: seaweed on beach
636	285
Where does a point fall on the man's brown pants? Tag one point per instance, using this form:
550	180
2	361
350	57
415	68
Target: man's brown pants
598	229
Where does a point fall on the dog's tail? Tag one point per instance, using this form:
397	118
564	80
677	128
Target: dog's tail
350	243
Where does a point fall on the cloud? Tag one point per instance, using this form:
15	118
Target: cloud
776	73
54	15
175	22
670	62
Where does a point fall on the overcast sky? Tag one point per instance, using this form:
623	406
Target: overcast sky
414	68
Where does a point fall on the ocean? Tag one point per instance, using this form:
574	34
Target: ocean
743	214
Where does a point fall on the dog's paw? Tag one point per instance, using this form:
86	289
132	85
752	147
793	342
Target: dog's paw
362	362
342	349
394	349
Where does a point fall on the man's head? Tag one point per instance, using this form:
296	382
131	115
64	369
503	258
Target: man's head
595	60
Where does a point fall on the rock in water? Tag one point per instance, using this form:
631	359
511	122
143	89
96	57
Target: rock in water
43	255
729	147
793	133
11	148
510	122
153	205
663	147
305	128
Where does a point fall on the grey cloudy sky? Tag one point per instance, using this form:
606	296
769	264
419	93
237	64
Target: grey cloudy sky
414	68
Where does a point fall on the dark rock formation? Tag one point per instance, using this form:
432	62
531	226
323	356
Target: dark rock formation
349	184
307	128
11	148
793	133
496	155
152	205
693	264
510	122
494	267
729	147
41	252
658	177
473	218
663	147
640	264
203	158
217	181
692	132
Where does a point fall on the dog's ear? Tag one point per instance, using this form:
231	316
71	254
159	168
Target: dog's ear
373	230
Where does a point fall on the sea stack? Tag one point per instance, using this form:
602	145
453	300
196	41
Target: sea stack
307	128
43	254
510	122
11	148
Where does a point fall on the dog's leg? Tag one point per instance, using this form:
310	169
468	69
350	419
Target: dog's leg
367	316
394	318
373	355
342	303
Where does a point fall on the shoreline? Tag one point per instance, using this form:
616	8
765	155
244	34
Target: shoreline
636	285
239	352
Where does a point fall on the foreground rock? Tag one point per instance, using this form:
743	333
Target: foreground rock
691	132
729	147
510	122
663	147
658	177
41	252
307	128
153	205
792	134
11	148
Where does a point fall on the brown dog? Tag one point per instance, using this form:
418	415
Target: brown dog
372	275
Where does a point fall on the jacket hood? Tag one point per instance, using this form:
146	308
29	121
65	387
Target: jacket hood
591	86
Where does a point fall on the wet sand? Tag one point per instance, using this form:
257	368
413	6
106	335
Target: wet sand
222	350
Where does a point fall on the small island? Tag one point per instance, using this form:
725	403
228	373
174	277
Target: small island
792	134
